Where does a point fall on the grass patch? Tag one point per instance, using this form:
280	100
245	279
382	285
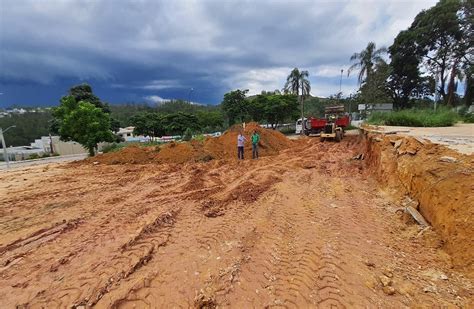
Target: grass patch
113	147
468	118
415	118
350	127
287	130
200	137
465	116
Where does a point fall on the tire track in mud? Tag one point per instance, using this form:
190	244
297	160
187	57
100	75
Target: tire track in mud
300	260
203	237
293	266
211	239
298	238
128	259
109	269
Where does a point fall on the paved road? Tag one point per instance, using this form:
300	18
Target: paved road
59	159
459	137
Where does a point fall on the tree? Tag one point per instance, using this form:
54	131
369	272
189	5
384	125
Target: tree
273	108
366	61
124	112
469	86
84	92
149	124
114	125
297	82
314	106
82	122
281	107
29	126
177	123
188	135
210	121
405	80
441	43
375	90
235	106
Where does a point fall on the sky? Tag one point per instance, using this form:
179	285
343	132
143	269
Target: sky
150	51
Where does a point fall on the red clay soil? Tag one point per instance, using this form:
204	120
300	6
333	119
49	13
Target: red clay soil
439	180
182	152
128	155
223	147
305	229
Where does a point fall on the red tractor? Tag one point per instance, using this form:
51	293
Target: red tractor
331	126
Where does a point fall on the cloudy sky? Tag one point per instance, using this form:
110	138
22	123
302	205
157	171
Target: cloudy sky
137	51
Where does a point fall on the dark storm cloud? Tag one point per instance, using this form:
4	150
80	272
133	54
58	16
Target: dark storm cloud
132	50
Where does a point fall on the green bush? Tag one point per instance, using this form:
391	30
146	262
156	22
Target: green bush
350	127
463	111
200	138
112	147
45	155
287	130
415	118
468	118
33	156
150	143
188	135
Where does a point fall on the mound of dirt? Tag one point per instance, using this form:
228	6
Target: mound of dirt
132	155
225	146
183	152
222	147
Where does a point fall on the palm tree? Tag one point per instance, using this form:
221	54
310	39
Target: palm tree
367	59
296	81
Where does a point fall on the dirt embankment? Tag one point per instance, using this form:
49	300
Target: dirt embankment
438	179
223	147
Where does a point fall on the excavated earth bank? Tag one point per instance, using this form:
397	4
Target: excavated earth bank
439	182
187	225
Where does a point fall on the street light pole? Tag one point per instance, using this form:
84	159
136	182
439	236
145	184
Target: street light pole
4	145
340	82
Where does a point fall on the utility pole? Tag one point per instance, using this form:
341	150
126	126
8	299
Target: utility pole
189	95
4	145
51	150
340	82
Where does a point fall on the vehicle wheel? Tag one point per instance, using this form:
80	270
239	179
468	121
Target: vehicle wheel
306	132
321	139
338	136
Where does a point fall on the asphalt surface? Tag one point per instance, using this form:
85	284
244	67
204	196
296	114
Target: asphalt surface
59	159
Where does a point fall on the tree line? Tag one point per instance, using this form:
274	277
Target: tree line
29	126
83	117
429	58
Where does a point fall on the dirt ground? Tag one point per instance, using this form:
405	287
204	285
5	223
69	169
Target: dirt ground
307	227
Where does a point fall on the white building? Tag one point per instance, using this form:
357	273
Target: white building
16	111
383	107
128	136
126	132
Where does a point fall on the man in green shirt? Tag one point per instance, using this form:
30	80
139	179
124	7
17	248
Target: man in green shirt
255	140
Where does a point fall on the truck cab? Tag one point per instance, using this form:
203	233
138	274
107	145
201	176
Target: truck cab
299	125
